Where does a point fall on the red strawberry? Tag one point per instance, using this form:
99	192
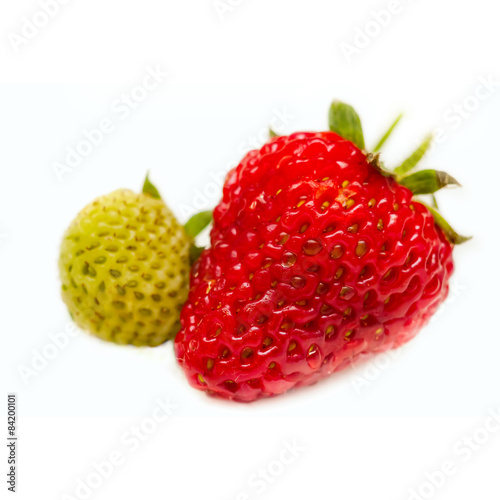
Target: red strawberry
318	257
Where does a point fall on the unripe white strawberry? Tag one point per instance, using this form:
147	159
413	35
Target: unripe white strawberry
124	267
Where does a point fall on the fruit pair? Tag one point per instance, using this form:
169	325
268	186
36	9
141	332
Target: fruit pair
319	257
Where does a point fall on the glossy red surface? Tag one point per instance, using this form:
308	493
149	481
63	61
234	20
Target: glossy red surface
317	259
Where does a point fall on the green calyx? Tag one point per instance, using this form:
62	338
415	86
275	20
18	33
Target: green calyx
344	121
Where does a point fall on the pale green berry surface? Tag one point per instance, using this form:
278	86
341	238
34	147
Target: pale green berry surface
124	267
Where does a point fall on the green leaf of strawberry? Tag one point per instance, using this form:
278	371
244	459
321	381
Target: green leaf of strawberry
150	189
412	161
344	121
197	223
450	233
386	136
428	181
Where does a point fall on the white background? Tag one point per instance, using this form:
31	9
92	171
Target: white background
230	73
